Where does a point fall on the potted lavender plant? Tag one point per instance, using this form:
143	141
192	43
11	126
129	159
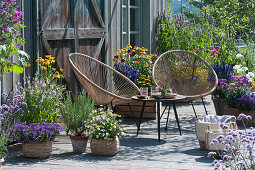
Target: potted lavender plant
76	116
36	138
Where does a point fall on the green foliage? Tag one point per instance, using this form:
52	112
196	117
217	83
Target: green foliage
174	33
228	14
76	115
3	145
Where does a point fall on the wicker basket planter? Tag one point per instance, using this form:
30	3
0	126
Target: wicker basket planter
235	112
202	127
219	105
104	147
37	150
209	136
1	161
79	143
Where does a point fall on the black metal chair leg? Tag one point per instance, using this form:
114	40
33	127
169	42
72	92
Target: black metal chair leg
167	116
132	114
177	119
141	117
204	106
193	108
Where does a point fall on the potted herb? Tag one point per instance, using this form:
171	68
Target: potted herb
105	131
36	138
76	116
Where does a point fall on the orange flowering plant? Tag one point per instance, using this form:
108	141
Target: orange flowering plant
135	63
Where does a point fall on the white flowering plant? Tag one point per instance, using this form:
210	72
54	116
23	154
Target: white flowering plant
106	125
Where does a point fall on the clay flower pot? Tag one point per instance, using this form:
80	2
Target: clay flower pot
79	143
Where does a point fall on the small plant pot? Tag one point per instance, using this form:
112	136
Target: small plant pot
219	105
104	147
1	161
37	150
79	143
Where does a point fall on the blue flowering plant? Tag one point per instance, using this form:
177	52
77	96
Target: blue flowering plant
238	152
223	70
34	132
11	25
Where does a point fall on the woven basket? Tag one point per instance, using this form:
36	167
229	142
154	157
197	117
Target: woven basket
37	150
104	147
219	105
202	127
209	136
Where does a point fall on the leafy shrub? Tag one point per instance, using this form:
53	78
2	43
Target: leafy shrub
76	115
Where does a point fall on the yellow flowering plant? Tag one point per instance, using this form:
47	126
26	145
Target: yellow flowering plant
135	63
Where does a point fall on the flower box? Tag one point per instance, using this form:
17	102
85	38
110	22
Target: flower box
150	110
235	112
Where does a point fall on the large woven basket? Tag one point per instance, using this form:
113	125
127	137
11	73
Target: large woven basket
202	127
37	150
209	136
104	147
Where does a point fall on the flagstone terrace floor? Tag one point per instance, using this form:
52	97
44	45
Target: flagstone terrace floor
174	152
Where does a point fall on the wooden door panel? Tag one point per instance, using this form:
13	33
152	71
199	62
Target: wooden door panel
72	26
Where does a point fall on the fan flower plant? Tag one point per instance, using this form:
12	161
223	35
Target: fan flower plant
238	152
34	132
136	64
105	125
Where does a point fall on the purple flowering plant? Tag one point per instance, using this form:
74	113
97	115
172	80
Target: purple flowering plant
34	132
12	110
236	87
238	152
11	25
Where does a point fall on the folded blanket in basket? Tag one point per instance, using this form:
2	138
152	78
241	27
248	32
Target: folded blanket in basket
216	119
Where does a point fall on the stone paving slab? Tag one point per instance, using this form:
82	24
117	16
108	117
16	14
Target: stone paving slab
136	152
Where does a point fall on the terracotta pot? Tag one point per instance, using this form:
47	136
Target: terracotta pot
1	161
219	105
104	147
79	143
37	150
235	112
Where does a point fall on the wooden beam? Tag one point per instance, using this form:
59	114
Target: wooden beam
68	33
97	11
98	48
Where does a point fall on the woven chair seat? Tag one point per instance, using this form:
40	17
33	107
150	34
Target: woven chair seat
185	73
103	83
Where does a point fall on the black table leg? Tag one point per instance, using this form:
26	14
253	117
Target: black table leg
141	117
158	116
176	117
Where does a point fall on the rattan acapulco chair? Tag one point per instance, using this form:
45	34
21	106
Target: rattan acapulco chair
186	74
103	83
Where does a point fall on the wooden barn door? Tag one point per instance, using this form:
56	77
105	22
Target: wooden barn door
68	26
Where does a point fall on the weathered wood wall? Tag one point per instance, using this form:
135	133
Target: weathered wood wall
59	27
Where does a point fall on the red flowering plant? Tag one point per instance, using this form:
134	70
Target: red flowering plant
11	24
136	64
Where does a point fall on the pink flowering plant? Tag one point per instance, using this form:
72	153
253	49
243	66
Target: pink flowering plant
11	25
238	152
34	132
